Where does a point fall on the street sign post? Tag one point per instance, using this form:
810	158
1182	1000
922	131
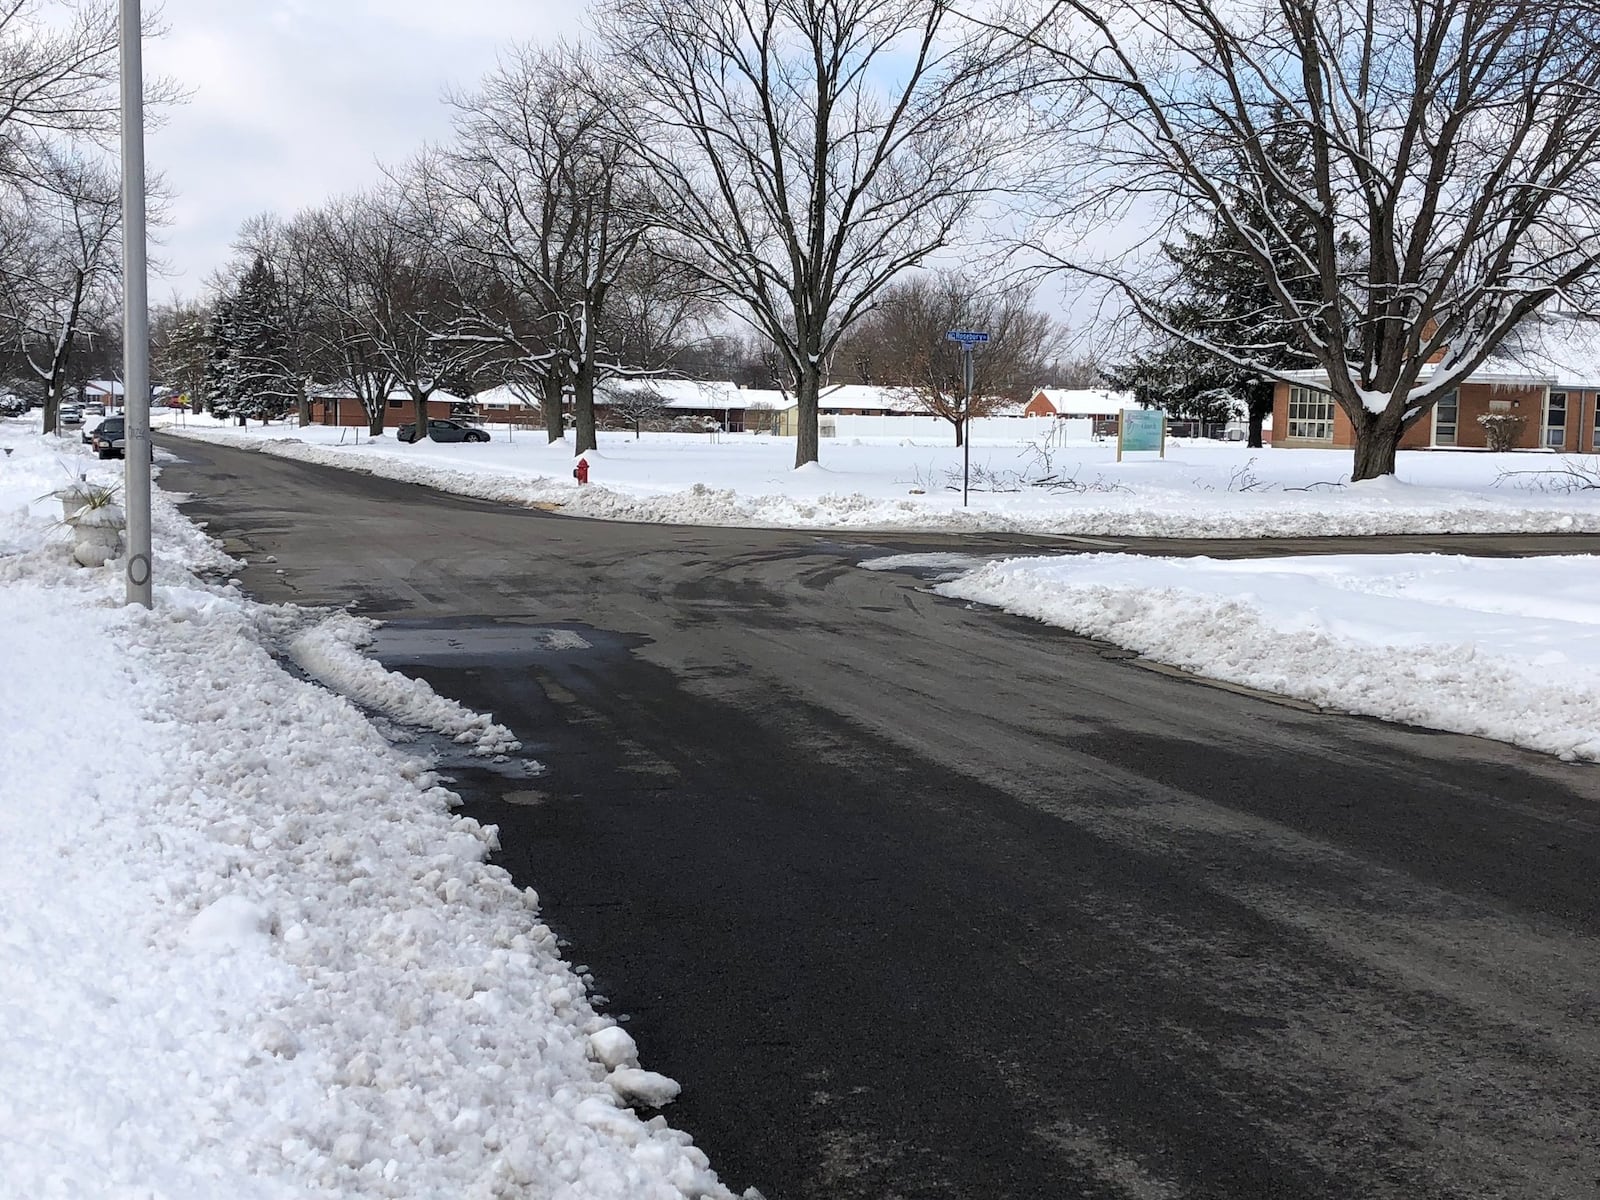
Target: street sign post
967	338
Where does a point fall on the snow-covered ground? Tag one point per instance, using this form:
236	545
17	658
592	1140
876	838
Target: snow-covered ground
247	949
1502	648
1201	489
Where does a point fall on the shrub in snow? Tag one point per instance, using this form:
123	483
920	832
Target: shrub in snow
1502	429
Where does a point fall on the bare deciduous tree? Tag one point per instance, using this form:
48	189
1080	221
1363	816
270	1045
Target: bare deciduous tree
63	265
636	404
902	345
811	151
557	204
1454	143
398	294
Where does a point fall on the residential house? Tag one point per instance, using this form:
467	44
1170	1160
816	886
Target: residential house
102	391
339	405
1549	375
505	405
1100	405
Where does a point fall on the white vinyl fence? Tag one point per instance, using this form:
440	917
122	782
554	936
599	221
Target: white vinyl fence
938	432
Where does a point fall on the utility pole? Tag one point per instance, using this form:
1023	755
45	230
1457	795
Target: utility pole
135	312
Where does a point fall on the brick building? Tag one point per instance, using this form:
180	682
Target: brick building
341	406
1550	378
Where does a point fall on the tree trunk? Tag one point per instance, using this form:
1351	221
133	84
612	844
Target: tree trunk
1377	439
419	405
961	431
806	393
583	408
375	415
303	403
553	388
1258	406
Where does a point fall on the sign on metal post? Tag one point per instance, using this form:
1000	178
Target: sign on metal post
1142	429
968	338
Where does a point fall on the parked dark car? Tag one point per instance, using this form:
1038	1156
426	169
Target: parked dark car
110	438
443	431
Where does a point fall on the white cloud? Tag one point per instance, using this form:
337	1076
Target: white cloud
293	101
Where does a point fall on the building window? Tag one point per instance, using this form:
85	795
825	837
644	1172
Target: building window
1310	415
397	404
1445	415
1555	420
1594	439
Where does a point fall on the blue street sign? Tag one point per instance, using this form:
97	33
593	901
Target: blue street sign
967	337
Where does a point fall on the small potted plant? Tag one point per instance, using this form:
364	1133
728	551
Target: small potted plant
74	496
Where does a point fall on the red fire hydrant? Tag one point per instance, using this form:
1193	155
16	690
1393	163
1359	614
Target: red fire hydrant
581	471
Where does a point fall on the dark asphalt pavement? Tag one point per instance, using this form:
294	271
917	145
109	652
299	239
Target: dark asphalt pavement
920	900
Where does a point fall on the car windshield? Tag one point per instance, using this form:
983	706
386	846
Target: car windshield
111	425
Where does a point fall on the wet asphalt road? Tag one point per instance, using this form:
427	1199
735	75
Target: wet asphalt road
921	900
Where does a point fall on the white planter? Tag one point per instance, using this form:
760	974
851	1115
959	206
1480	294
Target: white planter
72	499
97	534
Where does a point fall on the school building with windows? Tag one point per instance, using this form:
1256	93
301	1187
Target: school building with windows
1550	379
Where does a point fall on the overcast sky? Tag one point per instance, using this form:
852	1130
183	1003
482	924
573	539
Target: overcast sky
294	101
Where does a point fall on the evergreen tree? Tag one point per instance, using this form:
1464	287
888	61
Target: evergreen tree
1221	298
265	388
220	384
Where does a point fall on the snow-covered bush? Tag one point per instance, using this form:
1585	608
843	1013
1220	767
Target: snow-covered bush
1502	429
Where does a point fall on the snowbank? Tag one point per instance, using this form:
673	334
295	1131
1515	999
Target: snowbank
1501	648
248	950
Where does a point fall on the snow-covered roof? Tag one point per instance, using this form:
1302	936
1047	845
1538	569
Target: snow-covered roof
1554	349
105	387
1087	402
767	398
503	397
868	396
674	393
342	391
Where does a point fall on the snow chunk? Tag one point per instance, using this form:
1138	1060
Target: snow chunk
613	1047
644	1088
229	923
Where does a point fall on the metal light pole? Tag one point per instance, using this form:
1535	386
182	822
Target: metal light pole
135	312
